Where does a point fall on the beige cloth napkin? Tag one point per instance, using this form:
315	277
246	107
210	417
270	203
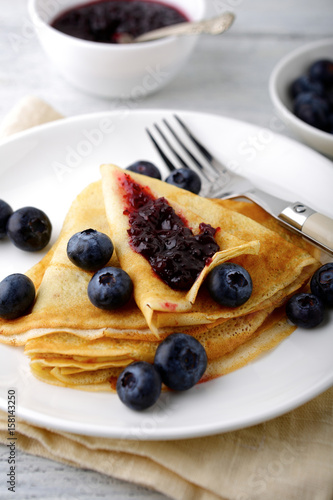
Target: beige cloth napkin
289	458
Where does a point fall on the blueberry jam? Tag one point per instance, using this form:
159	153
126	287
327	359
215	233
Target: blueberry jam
104	20
161	236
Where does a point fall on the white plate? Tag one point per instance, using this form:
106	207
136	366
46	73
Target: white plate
296	371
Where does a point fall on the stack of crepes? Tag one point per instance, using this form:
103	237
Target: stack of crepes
72	343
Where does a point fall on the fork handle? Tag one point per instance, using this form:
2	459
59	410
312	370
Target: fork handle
319	227
315	226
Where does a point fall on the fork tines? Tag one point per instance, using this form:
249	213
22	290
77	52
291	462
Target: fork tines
180	143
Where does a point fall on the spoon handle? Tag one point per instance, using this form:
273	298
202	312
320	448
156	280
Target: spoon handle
213	26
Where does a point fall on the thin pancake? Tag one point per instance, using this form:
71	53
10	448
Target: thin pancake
279	269
62	304
62	300
264	338
150	292
64	350
74	360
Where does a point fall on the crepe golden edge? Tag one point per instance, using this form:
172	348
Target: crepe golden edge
271	332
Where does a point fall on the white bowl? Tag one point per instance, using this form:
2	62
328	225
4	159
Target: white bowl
112	70
288	69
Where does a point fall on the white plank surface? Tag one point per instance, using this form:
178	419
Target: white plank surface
226	75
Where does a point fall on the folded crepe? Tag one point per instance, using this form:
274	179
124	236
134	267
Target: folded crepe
71	343
276	267
69	361
62	303
151	293
83	353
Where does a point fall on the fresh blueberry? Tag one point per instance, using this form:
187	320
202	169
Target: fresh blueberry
29	229
304	84
229	284
17	294
5	212
90	250
322	283
139	385
305	310
145	168
181	360
312	109
185	178
110	288
322	71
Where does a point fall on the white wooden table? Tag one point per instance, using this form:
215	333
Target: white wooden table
226	75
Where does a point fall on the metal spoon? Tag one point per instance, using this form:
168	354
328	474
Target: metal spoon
213	26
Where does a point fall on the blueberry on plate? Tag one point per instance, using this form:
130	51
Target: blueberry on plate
5	212
181	360
229	284
322	283
145	168
29	229
313	110
305	310
322	71
185	178
110	288
89	249
305	84
139	385
17	294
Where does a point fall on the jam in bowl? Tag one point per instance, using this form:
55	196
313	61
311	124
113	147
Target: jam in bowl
106	20
114	70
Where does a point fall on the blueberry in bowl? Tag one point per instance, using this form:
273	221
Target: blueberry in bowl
304	84
330	123
229	284
139	385
181	361
5	212
306	69
185	178
322	71
312	94
110	288
314	109
29	229
145	167
89	249
17	295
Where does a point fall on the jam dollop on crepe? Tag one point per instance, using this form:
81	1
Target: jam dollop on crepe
163	237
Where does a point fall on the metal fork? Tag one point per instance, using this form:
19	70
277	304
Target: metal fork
218	181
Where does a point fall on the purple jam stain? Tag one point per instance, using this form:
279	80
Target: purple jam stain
103	20
163	238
